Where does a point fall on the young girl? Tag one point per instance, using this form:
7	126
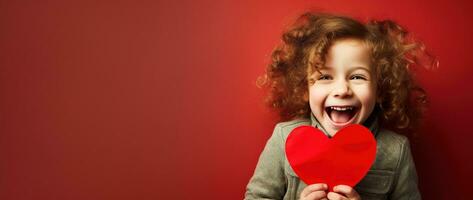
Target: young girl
331	71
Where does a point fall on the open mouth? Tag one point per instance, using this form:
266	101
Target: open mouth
341	115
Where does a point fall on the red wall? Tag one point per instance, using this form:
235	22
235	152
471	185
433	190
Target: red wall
157	100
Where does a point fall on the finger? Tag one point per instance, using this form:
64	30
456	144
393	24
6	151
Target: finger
314	187
316	195
346	190
336	196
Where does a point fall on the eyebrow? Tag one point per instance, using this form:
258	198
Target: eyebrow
351	70
360	67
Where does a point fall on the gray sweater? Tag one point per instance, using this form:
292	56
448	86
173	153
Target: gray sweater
392	176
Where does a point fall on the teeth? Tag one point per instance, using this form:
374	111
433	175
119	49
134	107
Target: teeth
341	108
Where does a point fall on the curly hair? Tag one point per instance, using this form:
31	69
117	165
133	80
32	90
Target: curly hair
303	49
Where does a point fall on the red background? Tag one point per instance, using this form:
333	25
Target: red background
157	99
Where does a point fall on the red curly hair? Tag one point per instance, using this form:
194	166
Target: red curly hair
303	50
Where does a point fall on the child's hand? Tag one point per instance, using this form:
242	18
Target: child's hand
343	192
314	192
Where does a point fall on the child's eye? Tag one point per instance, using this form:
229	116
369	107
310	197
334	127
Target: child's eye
324	77
358	77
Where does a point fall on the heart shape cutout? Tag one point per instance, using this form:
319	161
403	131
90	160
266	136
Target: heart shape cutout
343	159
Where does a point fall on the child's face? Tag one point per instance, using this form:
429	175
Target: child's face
344	91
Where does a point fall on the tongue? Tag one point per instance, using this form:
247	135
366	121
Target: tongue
340	116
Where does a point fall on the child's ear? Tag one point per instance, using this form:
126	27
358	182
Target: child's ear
306	96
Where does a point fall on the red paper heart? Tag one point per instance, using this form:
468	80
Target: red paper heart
343	159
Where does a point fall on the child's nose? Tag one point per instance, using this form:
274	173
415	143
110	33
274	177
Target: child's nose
342	89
